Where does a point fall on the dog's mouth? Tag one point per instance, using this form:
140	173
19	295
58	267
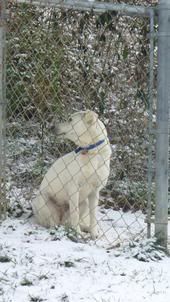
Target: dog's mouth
60	134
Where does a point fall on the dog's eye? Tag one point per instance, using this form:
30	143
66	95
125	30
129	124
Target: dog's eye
70	119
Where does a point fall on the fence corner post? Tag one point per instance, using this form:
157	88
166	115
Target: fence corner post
2	108
162	144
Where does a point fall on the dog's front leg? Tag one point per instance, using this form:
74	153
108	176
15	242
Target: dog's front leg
93	203
74	211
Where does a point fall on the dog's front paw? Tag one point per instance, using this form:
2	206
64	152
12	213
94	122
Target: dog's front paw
95	233
78	230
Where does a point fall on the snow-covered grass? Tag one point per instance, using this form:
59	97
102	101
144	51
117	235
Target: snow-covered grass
37	264
55	265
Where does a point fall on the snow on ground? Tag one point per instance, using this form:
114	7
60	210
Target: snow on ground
37	264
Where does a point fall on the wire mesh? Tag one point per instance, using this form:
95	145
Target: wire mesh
2	111
62	61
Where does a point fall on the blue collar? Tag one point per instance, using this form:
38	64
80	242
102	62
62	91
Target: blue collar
90	147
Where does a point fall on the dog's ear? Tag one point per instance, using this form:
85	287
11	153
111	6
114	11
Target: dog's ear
90	117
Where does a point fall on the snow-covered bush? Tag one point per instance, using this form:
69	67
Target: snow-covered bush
59	61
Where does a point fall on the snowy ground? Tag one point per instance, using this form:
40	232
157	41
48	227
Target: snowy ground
43	265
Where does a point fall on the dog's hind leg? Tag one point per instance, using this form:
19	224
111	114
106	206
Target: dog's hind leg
46	212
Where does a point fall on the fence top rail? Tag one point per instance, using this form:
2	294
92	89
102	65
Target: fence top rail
98	7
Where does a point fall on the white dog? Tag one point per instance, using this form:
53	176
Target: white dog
69	192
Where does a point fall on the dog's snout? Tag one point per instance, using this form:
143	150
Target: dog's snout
57	129
51	126
54	127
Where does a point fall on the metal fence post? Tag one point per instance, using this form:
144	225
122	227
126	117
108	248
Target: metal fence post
2	108
161	213
150	130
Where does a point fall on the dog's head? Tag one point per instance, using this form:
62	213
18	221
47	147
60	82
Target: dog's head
83	128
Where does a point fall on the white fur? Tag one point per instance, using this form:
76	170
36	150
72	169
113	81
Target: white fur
69	192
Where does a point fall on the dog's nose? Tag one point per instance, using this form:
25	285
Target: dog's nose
52	126
57	130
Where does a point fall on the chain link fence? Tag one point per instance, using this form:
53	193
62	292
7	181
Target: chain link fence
61	61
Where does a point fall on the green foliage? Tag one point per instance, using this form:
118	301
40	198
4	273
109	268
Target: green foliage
60	232
60	61
36	299
26	282
4	258
34	56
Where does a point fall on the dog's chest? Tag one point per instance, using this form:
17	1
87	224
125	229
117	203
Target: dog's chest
94	172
